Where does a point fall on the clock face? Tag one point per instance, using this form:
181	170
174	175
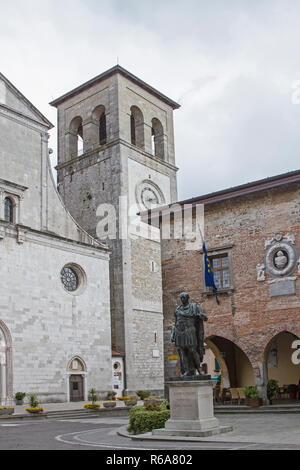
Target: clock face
149	195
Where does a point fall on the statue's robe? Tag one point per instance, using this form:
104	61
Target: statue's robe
188	328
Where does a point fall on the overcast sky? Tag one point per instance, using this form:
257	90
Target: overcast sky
231	64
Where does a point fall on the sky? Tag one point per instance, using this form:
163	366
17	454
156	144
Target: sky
234	66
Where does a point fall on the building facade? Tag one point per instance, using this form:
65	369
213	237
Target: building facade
252	234
116	157
55	308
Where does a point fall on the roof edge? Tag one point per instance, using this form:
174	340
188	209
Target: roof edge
27	102
108	73
235	191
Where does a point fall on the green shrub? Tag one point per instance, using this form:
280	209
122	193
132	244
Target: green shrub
152	406
33	401
142	420
272	388
251	392
143	394
20	395
93	397
165	405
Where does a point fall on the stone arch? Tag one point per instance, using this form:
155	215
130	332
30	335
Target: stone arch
99	120
158	147
286	327
277	362
80	361
222	363
6	372
137	127
10	209
237	368
76	137
77	379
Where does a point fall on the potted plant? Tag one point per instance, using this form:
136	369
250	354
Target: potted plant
19	398
142	394
34	405
130	402
111	396
123	398
252	396
6	410
292	390
93	397
272	389
109	403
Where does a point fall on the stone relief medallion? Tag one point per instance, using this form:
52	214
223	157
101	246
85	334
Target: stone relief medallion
149	195
281	256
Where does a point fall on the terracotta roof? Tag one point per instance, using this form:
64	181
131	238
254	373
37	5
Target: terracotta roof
109	73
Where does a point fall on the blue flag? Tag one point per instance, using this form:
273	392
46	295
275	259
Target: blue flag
208	275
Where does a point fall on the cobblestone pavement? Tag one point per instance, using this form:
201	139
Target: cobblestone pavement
250	433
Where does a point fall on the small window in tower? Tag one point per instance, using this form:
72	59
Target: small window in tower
152	142
132	129
8	210
102	129
80	141
137	127
157	138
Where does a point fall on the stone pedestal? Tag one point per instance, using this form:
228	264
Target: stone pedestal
192	412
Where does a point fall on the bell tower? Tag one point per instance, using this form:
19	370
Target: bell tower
116	147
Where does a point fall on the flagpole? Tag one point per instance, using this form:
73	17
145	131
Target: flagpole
204	251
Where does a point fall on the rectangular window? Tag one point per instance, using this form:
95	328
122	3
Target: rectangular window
220	266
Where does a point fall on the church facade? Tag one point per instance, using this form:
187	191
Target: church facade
55	308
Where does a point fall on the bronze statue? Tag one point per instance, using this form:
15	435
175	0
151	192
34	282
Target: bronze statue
188	335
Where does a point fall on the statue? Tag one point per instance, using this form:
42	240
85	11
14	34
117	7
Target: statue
188	335
280	260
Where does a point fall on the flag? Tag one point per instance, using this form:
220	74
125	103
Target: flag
208	276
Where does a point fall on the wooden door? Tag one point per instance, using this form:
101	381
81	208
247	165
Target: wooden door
76	388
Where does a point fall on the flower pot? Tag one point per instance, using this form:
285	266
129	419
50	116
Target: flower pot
130	403
34	410
109	404
7	411
19	402
253	402
92	406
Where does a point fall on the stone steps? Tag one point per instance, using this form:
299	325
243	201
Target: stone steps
260	409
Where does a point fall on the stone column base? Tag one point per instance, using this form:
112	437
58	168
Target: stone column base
192	411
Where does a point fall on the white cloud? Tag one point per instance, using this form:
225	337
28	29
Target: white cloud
230	64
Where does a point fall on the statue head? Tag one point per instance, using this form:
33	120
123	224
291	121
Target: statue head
280	259
184	297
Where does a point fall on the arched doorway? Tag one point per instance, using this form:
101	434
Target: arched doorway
279	365
6	389
235	368
77	380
